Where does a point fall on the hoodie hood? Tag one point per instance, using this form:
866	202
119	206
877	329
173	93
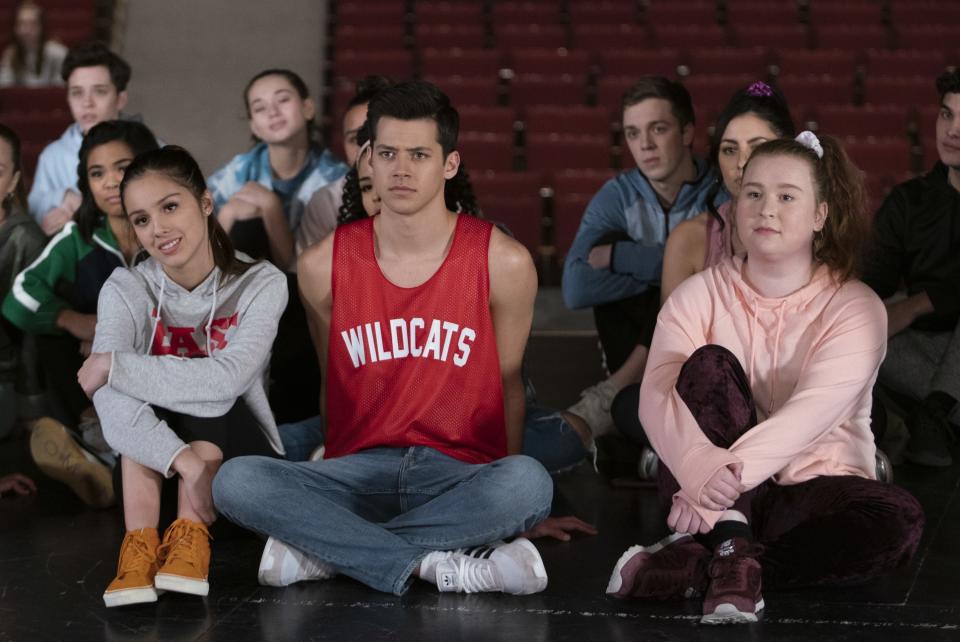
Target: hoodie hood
774	326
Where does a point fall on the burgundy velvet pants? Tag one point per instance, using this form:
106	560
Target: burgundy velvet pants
829	530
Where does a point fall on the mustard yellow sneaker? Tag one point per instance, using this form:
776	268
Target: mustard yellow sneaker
136	569
185	558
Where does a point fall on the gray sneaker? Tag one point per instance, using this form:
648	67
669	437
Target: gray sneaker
282	565
594	407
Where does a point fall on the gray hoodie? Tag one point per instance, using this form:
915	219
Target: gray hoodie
233	320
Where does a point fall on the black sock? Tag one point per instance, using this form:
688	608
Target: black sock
729	529
941	403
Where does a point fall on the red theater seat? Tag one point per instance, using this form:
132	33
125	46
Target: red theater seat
354	64
911	62
568	210
846	13
526	13
455	12
461	62
32	99
880	156
852	37
868	120
673	12
942	37
906	91
436	36
482	151
690	36
490	185
370	14
580	181
534	89
366	38
587	12
550	62
771	37
523	216
603	38
548	152
471	90
836	62
497	120
729	60
553	119
626	62
767	13
918	12
816	90
516	36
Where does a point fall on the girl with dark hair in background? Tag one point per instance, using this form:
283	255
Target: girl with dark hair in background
754	115
178	371
272	182
757	397
31	59
260	197
55	299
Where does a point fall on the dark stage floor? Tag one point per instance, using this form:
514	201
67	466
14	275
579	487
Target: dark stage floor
56	558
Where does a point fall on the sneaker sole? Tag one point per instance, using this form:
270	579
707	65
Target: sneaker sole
52	447
180	584
729	614
124	597
539	570
617	579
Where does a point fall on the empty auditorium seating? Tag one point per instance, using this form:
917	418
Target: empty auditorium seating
451	12
588	12
555	119
366	38
909	90
816	89
370	14
770	36
599	38
523	215
470	90
729	60
437	36
880	155
837	62
905	62
543	36
547	152
669	12
534	89
485	150
496	120
461	62
355	64
568	209
868	120
637	61
851	37
690	36
549	62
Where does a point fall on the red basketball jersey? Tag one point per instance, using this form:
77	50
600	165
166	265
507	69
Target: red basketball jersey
414	366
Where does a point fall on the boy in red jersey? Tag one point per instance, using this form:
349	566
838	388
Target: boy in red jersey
420	316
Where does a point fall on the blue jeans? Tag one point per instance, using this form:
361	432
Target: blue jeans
547	437
375	514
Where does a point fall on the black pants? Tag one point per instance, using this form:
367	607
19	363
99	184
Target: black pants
60	359
623	325
236	434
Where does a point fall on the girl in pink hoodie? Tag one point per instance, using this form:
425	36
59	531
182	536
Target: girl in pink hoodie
757	398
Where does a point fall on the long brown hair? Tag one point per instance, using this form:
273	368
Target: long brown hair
839	184
19	60
178	165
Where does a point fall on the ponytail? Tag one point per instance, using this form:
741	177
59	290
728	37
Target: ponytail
839	184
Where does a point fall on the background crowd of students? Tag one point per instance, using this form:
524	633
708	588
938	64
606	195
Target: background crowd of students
99	194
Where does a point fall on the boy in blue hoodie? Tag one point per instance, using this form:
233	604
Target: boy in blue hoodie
96	81
616	258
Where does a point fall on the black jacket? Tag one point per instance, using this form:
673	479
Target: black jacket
916	244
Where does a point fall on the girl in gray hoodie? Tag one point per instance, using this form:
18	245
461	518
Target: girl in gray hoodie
178	368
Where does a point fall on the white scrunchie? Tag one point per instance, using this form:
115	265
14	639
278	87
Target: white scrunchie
809	140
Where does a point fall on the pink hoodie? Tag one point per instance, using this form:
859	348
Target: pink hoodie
811	358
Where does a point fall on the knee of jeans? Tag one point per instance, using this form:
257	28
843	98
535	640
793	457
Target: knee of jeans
531	482
237	481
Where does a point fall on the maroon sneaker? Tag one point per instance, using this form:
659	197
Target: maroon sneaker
676	566
733	596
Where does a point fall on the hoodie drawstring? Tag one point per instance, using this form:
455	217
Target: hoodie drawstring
753	341
156	319
213	308
775	379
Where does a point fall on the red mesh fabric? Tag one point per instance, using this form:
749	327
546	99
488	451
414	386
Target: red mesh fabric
444	389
